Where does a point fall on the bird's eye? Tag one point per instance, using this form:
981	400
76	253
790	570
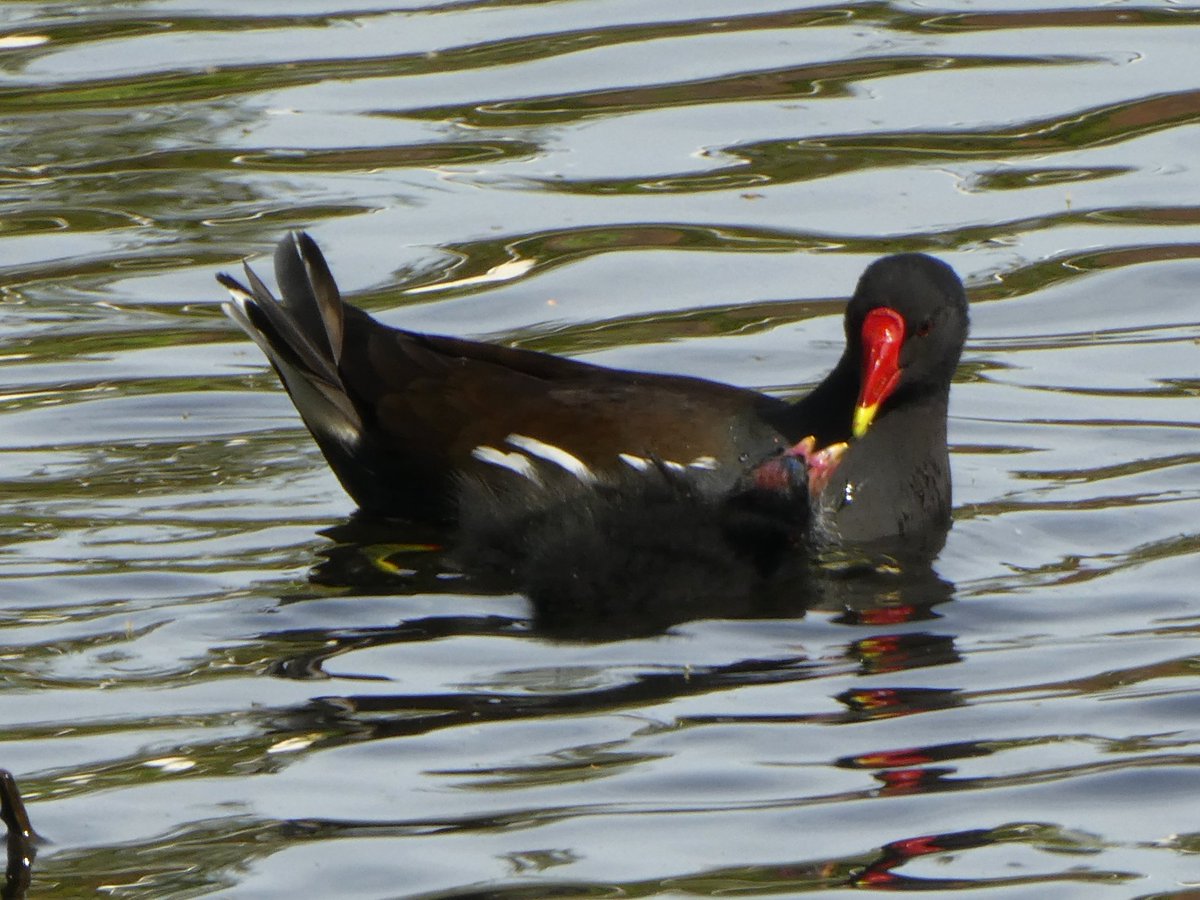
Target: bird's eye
924	328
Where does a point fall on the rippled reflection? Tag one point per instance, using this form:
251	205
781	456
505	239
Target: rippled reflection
217	682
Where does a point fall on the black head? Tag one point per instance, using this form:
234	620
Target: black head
905	330
931	301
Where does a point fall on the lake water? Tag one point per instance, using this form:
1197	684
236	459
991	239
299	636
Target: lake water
204	693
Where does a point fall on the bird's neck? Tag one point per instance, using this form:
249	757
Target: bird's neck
830	406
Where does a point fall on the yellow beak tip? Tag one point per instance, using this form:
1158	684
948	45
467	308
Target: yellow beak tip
863	417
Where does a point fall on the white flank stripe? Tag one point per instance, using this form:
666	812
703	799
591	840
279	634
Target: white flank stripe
552	454
703	462
514	462
634	462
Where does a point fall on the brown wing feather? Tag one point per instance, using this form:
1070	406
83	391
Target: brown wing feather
436	399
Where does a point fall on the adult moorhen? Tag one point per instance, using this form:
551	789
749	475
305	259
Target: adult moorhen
405	418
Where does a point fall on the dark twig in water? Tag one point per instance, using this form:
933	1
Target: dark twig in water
21	838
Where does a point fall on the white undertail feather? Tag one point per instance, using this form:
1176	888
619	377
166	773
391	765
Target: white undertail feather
236	310
325	408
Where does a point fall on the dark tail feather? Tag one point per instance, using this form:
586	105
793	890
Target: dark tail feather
301	336
309	292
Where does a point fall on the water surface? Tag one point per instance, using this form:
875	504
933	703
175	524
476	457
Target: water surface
203	695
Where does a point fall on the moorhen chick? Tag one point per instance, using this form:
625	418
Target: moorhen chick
405	419
639	550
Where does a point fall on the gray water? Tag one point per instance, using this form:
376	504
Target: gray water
205	694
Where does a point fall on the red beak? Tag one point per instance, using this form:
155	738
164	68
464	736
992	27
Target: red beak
882	335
